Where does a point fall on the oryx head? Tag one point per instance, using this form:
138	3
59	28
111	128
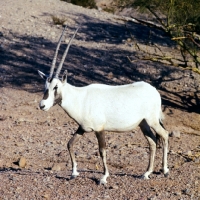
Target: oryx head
53	85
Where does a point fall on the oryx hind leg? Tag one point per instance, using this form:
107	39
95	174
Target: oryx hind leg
151	138
164	136
70	146
102	150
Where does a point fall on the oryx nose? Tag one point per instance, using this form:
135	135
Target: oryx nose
41	107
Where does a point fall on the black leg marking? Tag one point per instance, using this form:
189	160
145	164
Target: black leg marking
70	146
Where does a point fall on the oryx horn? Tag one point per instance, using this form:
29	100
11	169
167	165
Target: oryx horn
64	55
56	54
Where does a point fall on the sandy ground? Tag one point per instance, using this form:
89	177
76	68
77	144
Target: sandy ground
102	52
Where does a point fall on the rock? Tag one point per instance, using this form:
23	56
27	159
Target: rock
186	191
22	162
177	165
115	187
189	153
67	41
172	152
3	117
197	160
178	193
176	134
99	9
107	197
46	196
1	163
129	145
21	120
152	198
19	144
179	151
56	167
110	75
129	40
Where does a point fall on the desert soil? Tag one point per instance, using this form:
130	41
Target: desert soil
102	52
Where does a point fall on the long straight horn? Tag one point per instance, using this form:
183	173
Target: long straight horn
65	54
56	53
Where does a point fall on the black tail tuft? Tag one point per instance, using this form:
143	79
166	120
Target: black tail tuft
162	124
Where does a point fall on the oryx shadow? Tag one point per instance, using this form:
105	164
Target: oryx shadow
19	61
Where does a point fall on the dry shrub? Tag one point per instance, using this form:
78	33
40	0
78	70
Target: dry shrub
84	3
58	20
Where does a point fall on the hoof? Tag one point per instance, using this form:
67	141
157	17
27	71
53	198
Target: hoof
102	182
73	177
166	174
143	177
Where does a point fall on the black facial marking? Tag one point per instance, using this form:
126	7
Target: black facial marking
55	92
56	87
57	101
46	94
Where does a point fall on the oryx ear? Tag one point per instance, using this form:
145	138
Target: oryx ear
64	76
44	76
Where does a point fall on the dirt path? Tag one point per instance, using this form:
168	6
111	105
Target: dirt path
101	53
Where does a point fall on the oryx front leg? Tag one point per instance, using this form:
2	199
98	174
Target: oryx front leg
70	146
102	150
152	147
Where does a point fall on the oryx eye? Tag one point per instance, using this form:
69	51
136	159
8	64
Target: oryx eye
56	87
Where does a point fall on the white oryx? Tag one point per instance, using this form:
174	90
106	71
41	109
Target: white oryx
100	108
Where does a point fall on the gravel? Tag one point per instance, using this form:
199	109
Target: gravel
34	161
